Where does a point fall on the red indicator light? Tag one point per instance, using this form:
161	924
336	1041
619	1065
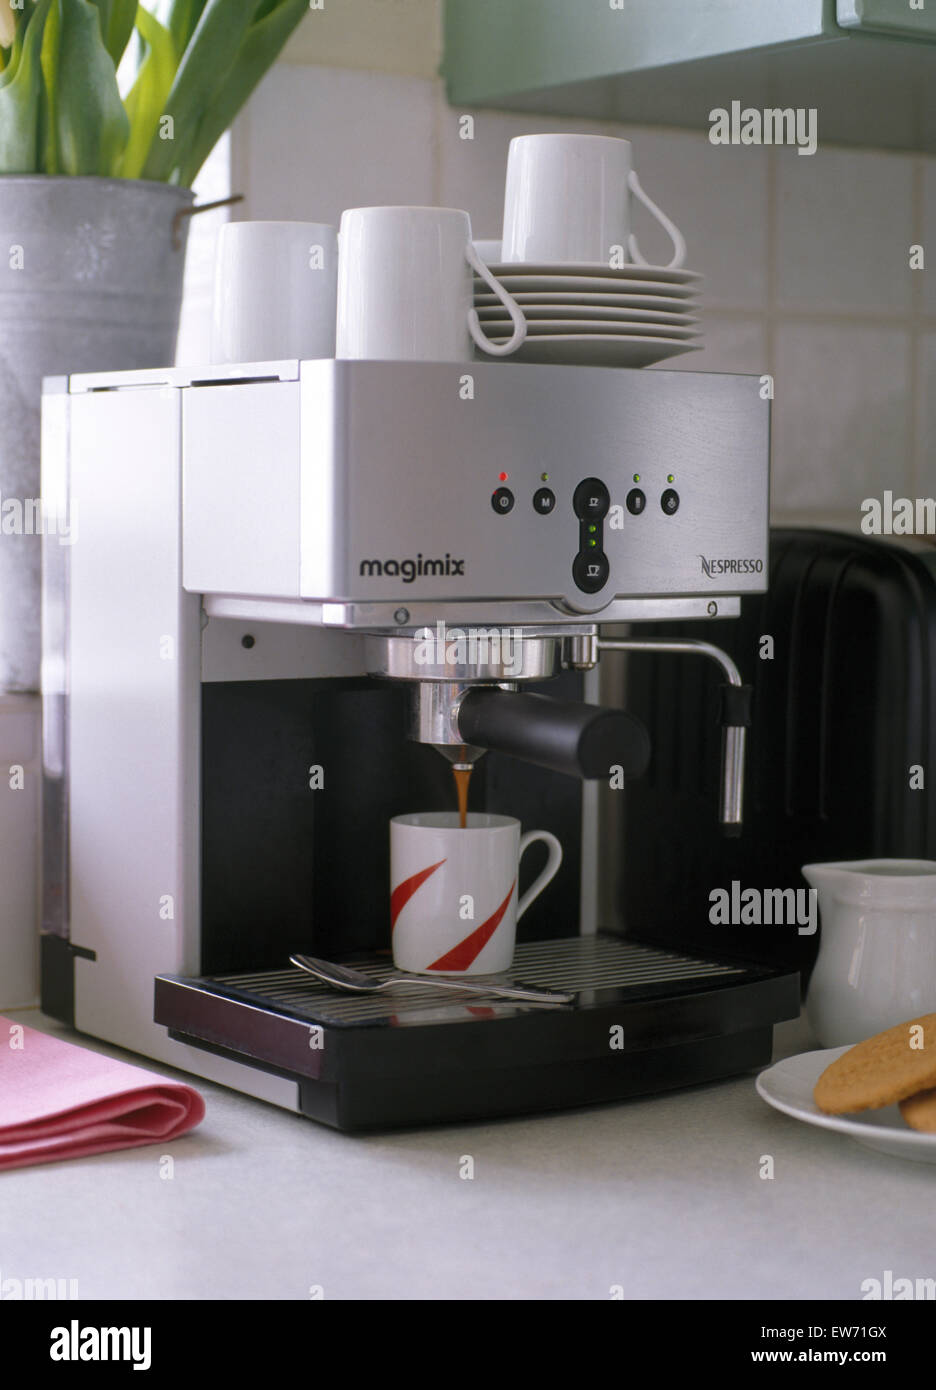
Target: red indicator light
503	477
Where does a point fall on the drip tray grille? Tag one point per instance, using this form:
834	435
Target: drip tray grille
582	965
418	1055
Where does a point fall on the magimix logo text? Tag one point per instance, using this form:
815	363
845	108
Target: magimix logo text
417	568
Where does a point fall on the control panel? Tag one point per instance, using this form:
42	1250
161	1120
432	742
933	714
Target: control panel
396	483
591	505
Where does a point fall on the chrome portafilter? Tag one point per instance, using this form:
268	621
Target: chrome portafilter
466	699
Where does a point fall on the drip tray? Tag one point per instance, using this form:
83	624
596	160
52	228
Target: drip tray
643	1019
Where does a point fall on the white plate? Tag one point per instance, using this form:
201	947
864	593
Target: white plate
599	313
597	350
658	303
588	268
502	328
592	284
788	1086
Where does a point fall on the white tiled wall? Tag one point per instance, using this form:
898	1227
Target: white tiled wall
806	259
928	217
925	482
316	140
844	226
842	426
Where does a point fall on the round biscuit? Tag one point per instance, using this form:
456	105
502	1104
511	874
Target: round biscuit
919	1111
882	1070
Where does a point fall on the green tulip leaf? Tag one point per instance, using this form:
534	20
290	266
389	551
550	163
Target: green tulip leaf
265	40
60	105
146	100
20	97
211	52
47	138
88	124
117	20
183	21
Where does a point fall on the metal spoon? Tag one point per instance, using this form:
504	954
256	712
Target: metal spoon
341	977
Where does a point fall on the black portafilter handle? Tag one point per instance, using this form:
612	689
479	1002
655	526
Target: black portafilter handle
579	740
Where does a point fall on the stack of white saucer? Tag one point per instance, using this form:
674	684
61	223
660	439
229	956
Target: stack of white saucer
591	314
569	261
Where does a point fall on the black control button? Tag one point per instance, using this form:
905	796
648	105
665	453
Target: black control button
590	571
503	500
591	500
636	501
544	499
670	501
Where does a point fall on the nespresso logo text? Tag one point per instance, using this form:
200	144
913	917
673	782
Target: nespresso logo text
713	567
408	570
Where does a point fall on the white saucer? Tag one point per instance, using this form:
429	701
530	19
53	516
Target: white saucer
598	350
502	328
666	274
599	313
788	1086
594	284
658	303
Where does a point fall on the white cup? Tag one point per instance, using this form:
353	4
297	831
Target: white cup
877	949
275	290
405	290
453	899
567	201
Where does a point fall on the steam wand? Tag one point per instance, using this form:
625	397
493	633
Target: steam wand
734	711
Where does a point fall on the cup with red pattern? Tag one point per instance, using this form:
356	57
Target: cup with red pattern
453	898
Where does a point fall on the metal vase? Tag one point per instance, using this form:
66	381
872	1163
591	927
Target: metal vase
90	280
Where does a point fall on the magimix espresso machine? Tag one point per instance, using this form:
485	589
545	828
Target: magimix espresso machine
234	711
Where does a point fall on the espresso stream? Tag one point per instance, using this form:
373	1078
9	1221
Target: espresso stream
462	777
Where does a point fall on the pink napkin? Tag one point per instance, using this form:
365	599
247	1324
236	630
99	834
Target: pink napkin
61	1101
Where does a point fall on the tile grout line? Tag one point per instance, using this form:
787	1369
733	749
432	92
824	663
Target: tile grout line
440	106
838	318
768	315
917	322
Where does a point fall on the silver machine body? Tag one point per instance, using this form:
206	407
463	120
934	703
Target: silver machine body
288	520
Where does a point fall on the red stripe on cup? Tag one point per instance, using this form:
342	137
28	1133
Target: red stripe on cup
467	951
405	890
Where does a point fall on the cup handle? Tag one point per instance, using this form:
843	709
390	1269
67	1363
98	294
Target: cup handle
550	871
672	231
509	303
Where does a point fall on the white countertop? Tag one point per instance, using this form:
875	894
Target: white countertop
660	1195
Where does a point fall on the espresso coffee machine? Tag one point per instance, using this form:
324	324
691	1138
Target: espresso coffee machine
292	595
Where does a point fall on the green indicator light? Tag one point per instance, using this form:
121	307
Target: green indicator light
544	477
636	477
593	529
592	542
671	477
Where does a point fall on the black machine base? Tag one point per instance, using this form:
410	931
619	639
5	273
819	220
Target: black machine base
644	1019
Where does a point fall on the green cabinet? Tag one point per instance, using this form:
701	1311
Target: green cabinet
868	67
897	17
